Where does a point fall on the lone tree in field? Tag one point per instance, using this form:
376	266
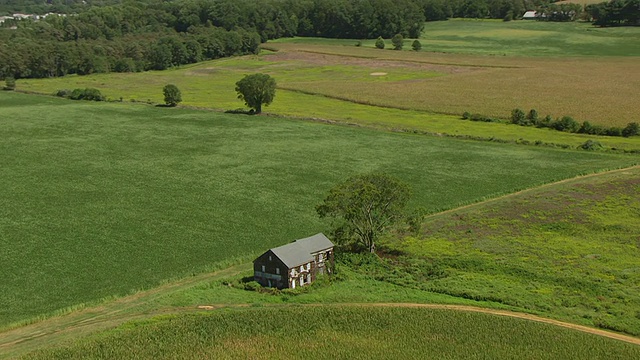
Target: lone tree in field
256	90
416	45
172	95
380	42
364	206
397	40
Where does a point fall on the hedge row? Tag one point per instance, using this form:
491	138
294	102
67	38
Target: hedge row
568	124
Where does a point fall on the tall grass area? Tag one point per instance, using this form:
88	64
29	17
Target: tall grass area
101	199
595	89
344	333
569	252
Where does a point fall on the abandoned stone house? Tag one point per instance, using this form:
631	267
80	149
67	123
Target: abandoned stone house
295	264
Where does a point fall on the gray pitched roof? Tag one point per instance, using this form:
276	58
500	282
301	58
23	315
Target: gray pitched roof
299	252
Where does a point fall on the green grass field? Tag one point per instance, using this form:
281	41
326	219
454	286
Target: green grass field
514	38
211	85
102	199
530	38
424	91
568	251
343	333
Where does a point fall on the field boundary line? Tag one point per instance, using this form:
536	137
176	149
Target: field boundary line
341	98
531	189
409	60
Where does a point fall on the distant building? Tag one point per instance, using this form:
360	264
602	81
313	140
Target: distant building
530	15
19	16
294	264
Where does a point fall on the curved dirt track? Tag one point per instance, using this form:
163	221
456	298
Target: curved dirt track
586	329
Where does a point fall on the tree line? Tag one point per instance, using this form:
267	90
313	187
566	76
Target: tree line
109	35
155	34
27	55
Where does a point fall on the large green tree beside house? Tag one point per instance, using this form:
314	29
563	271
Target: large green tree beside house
365	206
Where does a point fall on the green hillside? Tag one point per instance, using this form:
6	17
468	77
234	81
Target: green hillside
103	199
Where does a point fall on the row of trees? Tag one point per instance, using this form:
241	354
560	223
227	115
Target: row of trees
154	34
296	15
8	7
607	13
398	43
27	56
568	124
269	18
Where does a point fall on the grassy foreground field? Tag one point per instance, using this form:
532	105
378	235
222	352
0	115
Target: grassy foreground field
343	333
567	251
103	199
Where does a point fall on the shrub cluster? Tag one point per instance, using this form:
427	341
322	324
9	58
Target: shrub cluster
568	124
89	94
478	117
9	83
402	271
591	145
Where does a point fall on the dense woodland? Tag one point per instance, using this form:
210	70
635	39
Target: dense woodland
615	13
126	36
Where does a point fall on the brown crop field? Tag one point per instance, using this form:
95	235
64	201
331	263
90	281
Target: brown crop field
600	90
